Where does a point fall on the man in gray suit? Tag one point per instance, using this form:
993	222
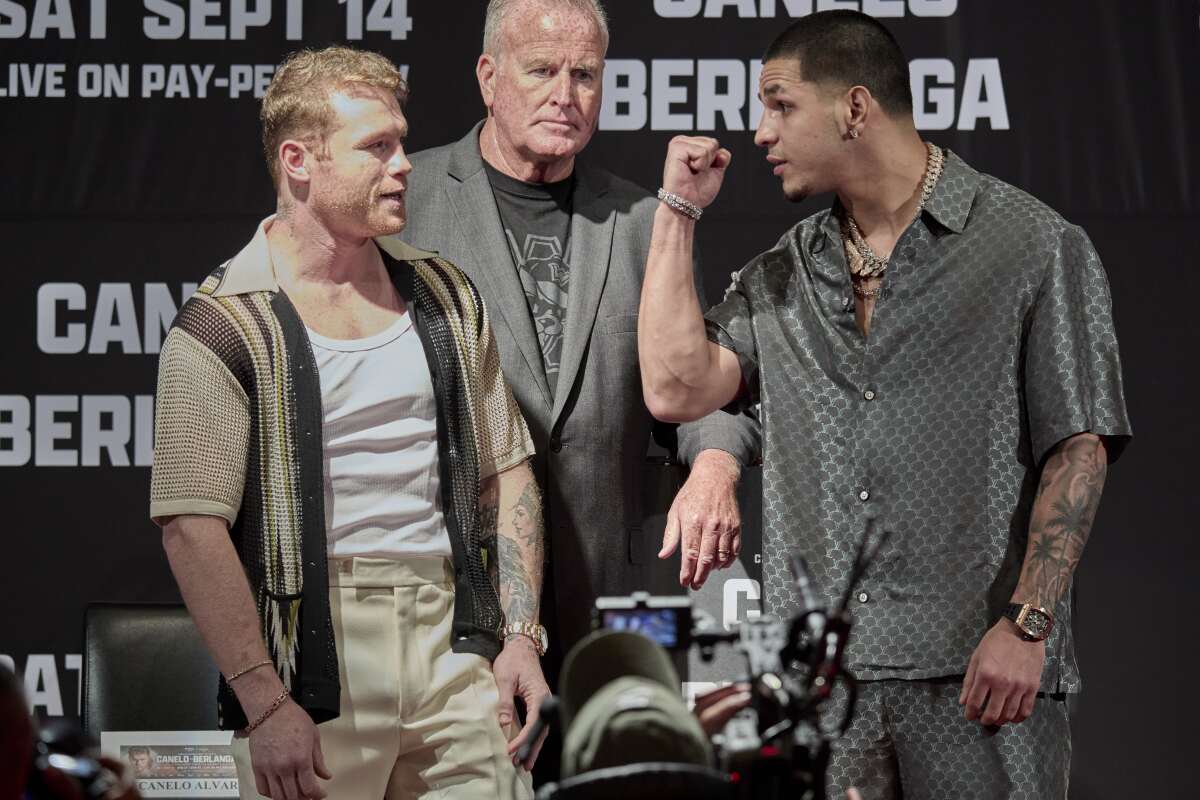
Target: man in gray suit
557	248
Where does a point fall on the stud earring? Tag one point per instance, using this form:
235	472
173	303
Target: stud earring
854	133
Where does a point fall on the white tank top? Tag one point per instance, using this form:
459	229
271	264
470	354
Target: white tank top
380	436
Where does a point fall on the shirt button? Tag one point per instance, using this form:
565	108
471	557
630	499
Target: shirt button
863	597
864	495
869	394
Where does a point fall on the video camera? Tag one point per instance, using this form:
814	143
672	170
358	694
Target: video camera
780	745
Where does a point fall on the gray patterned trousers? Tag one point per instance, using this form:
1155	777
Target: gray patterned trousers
909	740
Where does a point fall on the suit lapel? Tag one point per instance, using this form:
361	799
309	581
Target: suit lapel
592	224
470	195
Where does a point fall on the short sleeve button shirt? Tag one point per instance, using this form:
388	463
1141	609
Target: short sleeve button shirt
993	341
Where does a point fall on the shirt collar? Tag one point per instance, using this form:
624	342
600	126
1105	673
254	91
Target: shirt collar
950	204
952	198
251	269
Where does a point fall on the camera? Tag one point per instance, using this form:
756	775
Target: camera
779	746
666	620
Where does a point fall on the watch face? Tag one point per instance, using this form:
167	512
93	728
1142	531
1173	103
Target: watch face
1037	624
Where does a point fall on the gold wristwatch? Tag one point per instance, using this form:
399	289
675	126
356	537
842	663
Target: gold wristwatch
536	633
1033	622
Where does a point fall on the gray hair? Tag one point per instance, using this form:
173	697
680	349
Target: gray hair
498	11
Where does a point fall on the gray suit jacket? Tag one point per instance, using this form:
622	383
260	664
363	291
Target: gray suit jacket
592	436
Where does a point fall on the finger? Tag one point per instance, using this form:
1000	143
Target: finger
277	792
690	534
537	749
515	744
716	695
968	682
306	781
722	159
1012	708
994	710
852	794
261	784
713	718
708	556
976	698
724	550
505	712
671	534
736	545
319	760
1028	702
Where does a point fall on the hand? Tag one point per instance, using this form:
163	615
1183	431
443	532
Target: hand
852	794
713	709
126	786
704	517
1005	672
695	168
285	753
518	672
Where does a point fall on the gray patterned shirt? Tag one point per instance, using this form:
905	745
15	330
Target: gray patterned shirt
993	342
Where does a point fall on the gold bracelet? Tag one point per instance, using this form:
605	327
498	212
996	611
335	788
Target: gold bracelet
250	668
274	707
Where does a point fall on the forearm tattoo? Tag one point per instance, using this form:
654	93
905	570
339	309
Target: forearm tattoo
1063	512
520	546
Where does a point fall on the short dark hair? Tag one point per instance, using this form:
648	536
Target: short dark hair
846	48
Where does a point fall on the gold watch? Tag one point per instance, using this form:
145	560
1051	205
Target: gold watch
1033	622
531	630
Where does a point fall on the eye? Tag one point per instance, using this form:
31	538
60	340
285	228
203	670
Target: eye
585	75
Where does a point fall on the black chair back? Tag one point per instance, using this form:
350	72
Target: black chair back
146	669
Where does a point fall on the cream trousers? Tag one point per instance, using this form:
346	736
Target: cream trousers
417	720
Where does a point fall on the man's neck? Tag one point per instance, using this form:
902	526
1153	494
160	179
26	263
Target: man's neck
883	190
507	160
305	253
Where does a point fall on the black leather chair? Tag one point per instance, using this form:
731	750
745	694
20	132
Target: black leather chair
146	669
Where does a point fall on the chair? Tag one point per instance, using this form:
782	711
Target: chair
146	669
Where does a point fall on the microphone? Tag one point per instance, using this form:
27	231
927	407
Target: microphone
547	714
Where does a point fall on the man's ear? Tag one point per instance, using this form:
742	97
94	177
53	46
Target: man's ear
294	160
857	102
485	71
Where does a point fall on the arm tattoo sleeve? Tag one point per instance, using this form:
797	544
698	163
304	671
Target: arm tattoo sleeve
1063	511
519	544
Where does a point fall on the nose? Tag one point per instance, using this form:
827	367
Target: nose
400	165
765	135
562	93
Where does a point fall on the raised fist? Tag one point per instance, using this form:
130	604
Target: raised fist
695	168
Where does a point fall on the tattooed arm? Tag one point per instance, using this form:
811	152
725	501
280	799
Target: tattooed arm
1062	517
511	513
1005	671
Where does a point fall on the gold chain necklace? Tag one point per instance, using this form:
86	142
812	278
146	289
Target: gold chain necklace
864	264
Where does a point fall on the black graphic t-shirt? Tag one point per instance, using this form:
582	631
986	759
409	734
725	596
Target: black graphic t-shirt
537	224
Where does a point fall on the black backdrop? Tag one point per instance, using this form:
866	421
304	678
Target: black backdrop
131	167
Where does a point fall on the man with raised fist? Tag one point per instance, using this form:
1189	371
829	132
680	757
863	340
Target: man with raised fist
935	357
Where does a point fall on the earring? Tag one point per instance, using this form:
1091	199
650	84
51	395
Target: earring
854	133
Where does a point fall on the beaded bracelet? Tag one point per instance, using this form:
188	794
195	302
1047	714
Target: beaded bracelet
274	707
250	668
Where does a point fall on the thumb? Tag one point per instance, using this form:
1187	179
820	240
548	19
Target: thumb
504	709
670	535
722	160
319	760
